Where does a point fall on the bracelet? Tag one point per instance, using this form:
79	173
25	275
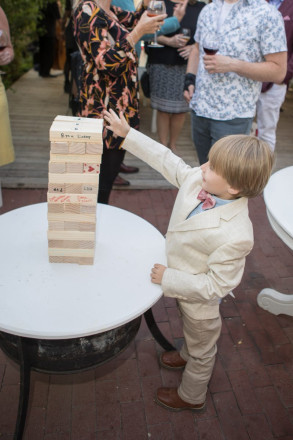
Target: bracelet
189	80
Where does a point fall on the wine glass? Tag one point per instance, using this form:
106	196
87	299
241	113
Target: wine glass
156	7
211	44
4	41
186	34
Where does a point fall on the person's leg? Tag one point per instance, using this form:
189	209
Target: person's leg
220	129
201	136
111	160
163	127
46	55
268	113
176	124
199	351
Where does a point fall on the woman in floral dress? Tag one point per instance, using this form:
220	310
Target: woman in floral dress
106	37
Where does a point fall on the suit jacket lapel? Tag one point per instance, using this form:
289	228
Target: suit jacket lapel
209	218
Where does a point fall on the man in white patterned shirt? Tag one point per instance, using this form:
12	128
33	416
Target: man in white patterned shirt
251	49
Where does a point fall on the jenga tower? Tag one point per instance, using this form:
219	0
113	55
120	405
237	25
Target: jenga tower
75	158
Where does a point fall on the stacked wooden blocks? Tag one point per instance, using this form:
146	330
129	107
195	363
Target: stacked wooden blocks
75	158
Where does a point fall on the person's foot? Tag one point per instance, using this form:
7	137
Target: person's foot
170	399
172	360
128	169
119	181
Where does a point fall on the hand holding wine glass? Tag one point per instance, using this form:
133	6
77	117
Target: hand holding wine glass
185	34
155	8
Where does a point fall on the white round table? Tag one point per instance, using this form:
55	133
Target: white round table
51	304
59	301
278	197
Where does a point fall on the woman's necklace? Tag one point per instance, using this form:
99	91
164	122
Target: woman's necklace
107	10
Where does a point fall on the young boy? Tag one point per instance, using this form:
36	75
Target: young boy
208	238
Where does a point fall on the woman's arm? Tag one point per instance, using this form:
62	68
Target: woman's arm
7	55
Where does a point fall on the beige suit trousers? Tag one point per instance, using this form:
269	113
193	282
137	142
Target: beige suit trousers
199	350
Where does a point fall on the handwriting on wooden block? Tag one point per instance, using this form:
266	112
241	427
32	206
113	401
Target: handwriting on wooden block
90	199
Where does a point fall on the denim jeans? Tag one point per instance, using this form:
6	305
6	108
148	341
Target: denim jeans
205	132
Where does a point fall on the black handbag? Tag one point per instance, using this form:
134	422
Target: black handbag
145	84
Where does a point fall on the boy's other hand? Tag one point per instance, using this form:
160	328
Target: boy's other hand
117	124
157	273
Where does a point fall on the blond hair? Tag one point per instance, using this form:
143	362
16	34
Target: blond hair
244	161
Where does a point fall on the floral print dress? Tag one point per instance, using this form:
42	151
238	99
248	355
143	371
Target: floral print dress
110	64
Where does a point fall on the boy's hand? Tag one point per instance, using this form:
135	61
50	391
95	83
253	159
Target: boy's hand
157	273
118	125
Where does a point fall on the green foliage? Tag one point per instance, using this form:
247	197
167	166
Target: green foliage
23	17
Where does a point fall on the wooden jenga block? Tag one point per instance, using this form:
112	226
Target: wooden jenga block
56	167
88	199
74	188
80	131
65	118
72	260
76	158
87	209
73	178
76	147
86	226
59	147
56	208
74	167
94	148
90	189
75	208
71	244
56	226
91	168
70	217
61	252
56	188
71	235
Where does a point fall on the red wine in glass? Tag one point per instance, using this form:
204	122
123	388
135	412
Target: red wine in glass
209	51
210	45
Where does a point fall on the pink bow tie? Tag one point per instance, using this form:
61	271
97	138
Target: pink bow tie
208	201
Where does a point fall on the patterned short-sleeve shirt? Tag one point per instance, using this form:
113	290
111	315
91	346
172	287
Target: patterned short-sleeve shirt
252	29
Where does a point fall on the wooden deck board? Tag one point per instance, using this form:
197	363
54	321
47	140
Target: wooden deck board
33	104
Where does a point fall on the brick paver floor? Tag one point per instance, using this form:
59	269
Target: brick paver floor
250	394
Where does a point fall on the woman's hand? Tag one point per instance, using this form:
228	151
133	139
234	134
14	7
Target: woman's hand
116	124
157	273
184	52
148	25
6	56
175	41
188	94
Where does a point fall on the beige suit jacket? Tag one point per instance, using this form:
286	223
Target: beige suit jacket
205	253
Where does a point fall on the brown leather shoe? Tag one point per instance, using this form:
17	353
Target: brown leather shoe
127	169
119	181
170	399
172	360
